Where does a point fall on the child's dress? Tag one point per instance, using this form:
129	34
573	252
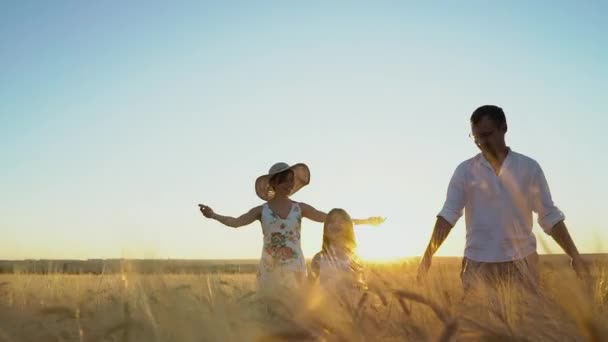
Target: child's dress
282	264
339	271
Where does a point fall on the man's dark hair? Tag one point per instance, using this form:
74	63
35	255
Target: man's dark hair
493	113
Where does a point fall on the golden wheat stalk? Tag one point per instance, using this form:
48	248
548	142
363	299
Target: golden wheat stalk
449	330
63	312
4	337
443	317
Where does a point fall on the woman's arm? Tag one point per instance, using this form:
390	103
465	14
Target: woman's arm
234	222
312	214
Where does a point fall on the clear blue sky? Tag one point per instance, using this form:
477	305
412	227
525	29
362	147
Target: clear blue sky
117	118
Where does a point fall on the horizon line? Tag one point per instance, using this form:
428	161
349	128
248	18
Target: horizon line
257	259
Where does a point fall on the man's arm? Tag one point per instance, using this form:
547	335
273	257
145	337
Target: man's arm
560	234
447	218
551	219
440	232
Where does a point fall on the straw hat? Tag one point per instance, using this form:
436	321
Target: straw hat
301	178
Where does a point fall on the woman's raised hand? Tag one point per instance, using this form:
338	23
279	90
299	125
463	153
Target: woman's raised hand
207	212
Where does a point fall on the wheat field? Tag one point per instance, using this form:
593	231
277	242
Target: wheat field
225	307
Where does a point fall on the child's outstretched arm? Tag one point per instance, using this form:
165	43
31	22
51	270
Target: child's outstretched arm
318	216
372	221
234	222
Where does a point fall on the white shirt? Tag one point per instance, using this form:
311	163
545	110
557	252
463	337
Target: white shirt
498	208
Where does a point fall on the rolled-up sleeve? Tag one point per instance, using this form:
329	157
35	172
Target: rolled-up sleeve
542	202
455	199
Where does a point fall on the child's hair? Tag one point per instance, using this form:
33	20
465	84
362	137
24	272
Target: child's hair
348	231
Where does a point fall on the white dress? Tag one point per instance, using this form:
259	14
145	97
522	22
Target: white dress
282	263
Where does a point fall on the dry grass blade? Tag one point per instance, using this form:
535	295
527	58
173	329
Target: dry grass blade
125	327
447	297
593	330
246	296
183	287
406	310
375	290
152	298
490	334
416	333
4	337
62	312
300	335
380	278
443	317
361	305
449	330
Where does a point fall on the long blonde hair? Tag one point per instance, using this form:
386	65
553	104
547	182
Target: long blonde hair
347	228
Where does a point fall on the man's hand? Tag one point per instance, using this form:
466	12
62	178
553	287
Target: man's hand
440	232
423	268
580	267
560	234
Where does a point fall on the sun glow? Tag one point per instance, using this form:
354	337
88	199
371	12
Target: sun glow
384	245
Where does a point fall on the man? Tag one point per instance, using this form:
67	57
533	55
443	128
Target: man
499	189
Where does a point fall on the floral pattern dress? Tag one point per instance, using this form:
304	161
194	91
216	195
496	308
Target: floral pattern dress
282	262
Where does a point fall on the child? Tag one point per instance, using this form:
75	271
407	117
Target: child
337	265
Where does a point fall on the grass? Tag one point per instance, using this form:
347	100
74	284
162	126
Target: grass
222	307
